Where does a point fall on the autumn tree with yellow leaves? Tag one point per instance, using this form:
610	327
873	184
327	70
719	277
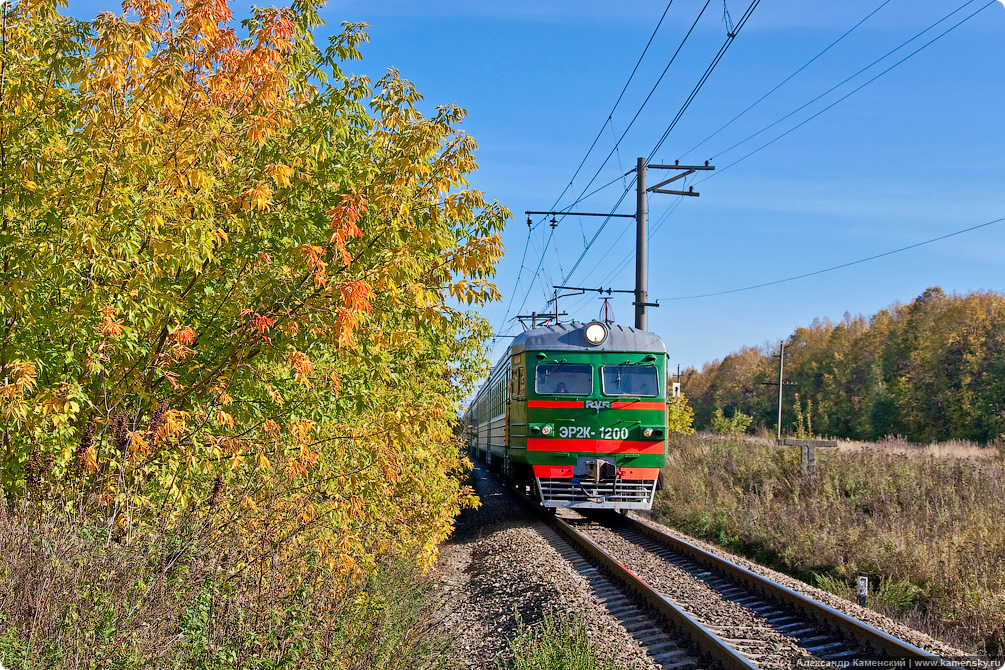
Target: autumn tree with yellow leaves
230	274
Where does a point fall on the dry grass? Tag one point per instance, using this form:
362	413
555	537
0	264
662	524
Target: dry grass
895	444
186	595
954	449
928	524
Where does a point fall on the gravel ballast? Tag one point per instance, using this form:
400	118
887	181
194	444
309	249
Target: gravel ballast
497	567
874	619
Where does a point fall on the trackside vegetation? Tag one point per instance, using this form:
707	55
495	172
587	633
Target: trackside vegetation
927	525
557	642
184	596
230	347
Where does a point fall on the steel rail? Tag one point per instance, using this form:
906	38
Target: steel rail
863	632
704	640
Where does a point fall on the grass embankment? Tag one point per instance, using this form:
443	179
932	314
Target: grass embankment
74	596
929	529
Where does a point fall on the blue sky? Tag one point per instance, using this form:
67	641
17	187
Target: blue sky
914	155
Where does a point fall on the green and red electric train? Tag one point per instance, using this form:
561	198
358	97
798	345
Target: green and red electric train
578	412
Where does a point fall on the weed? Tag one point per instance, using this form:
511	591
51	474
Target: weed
553	644
900	596
832	584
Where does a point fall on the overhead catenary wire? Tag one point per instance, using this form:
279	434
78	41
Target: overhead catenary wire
722	50
853	91
565	277
610	115
578	260
838	267
863	260
603	224
516	285
789	78
630	255
620	177
655	228
701	82
594	143
730	37
607	122
831	105
627	258
818	113
877	256
537	272
644	102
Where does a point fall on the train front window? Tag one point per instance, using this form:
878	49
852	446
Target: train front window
564	379
634	380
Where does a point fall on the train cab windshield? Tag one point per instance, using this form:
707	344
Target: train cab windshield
633	380
564	379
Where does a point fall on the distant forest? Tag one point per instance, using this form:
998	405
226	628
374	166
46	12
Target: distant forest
931	370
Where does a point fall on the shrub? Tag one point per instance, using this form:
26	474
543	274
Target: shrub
734	425
680	416
554	644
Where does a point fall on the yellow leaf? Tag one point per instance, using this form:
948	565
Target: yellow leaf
263	462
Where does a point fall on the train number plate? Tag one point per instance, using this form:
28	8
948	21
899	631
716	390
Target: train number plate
584	432
608	433
587	433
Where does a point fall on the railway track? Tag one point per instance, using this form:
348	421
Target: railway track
733	618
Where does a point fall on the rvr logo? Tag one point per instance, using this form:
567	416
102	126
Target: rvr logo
598	404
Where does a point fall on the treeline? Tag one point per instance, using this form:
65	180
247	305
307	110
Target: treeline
930	370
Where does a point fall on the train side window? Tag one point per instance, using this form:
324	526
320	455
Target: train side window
564	379
634	380
519	382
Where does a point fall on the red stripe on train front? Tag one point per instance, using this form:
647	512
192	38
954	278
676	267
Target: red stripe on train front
637	404
648	474
553	471
555	403
594	446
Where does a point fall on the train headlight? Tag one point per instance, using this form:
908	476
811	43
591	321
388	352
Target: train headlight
545	429
595	332
647	432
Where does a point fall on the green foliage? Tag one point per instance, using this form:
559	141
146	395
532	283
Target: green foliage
236	282
832	584
13	650
556	643
900	596
680	416
896	596
804	421
232	275
734	425
930	370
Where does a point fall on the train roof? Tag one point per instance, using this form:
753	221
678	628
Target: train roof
569	337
